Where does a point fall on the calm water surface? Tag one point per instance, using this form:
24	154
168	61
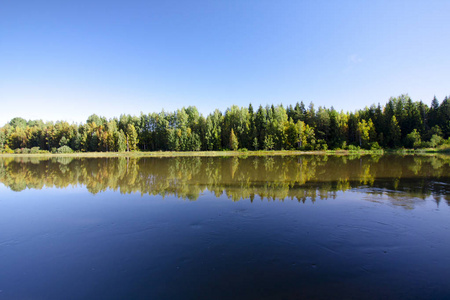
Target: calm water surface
306	227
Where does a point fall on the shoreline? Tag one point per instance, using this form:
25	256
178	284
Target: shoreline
158	154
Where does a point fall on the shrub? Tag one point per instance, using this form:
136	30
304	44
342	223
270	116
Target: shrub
308	147
7	150
426	145
353	148
436	140
34	150
321	145
64	149
375	146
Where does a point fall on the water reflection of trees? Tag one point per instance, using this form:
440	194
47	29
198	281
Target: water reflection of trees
300	178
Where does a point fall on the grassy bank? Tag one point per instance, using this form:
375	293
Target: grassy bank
170	154
196	153
443	149
233	153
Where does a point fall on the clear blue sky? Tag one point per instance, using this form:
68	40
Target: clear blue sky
70	59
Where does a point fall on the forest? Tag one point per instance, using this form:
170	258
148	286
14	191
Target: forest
401	123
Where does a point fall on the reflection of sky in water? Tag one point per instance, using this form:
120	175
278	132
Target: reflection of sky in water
72	244
3	187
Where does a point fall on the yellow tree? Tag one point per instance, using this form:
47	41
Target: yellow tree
364	130
234	144
132	138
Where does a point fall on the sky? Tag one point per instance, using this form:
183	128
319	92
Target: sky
66	60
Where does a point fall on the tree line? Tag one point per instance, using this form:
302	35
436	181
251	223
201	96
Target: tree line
401	123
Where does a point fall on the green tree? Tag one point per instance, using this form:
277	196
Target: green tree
435	140
237	119
413	139
2	138
121	141
268	142
301	129
93	141
292	135
261	125
75	142
95	119
444	117
363	133
433	113
322	123
145	135
173	140
252	131
255	143
277	126
310	137
83	140
63	141
194	142
213	131
394	134
112	135
18	122
18	138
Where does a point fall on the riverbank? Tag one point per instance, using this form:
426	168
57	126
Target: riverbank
189	153
229	153
177	154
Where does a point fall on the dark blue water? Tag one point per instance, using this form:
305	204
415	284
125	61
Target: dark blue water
68	243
